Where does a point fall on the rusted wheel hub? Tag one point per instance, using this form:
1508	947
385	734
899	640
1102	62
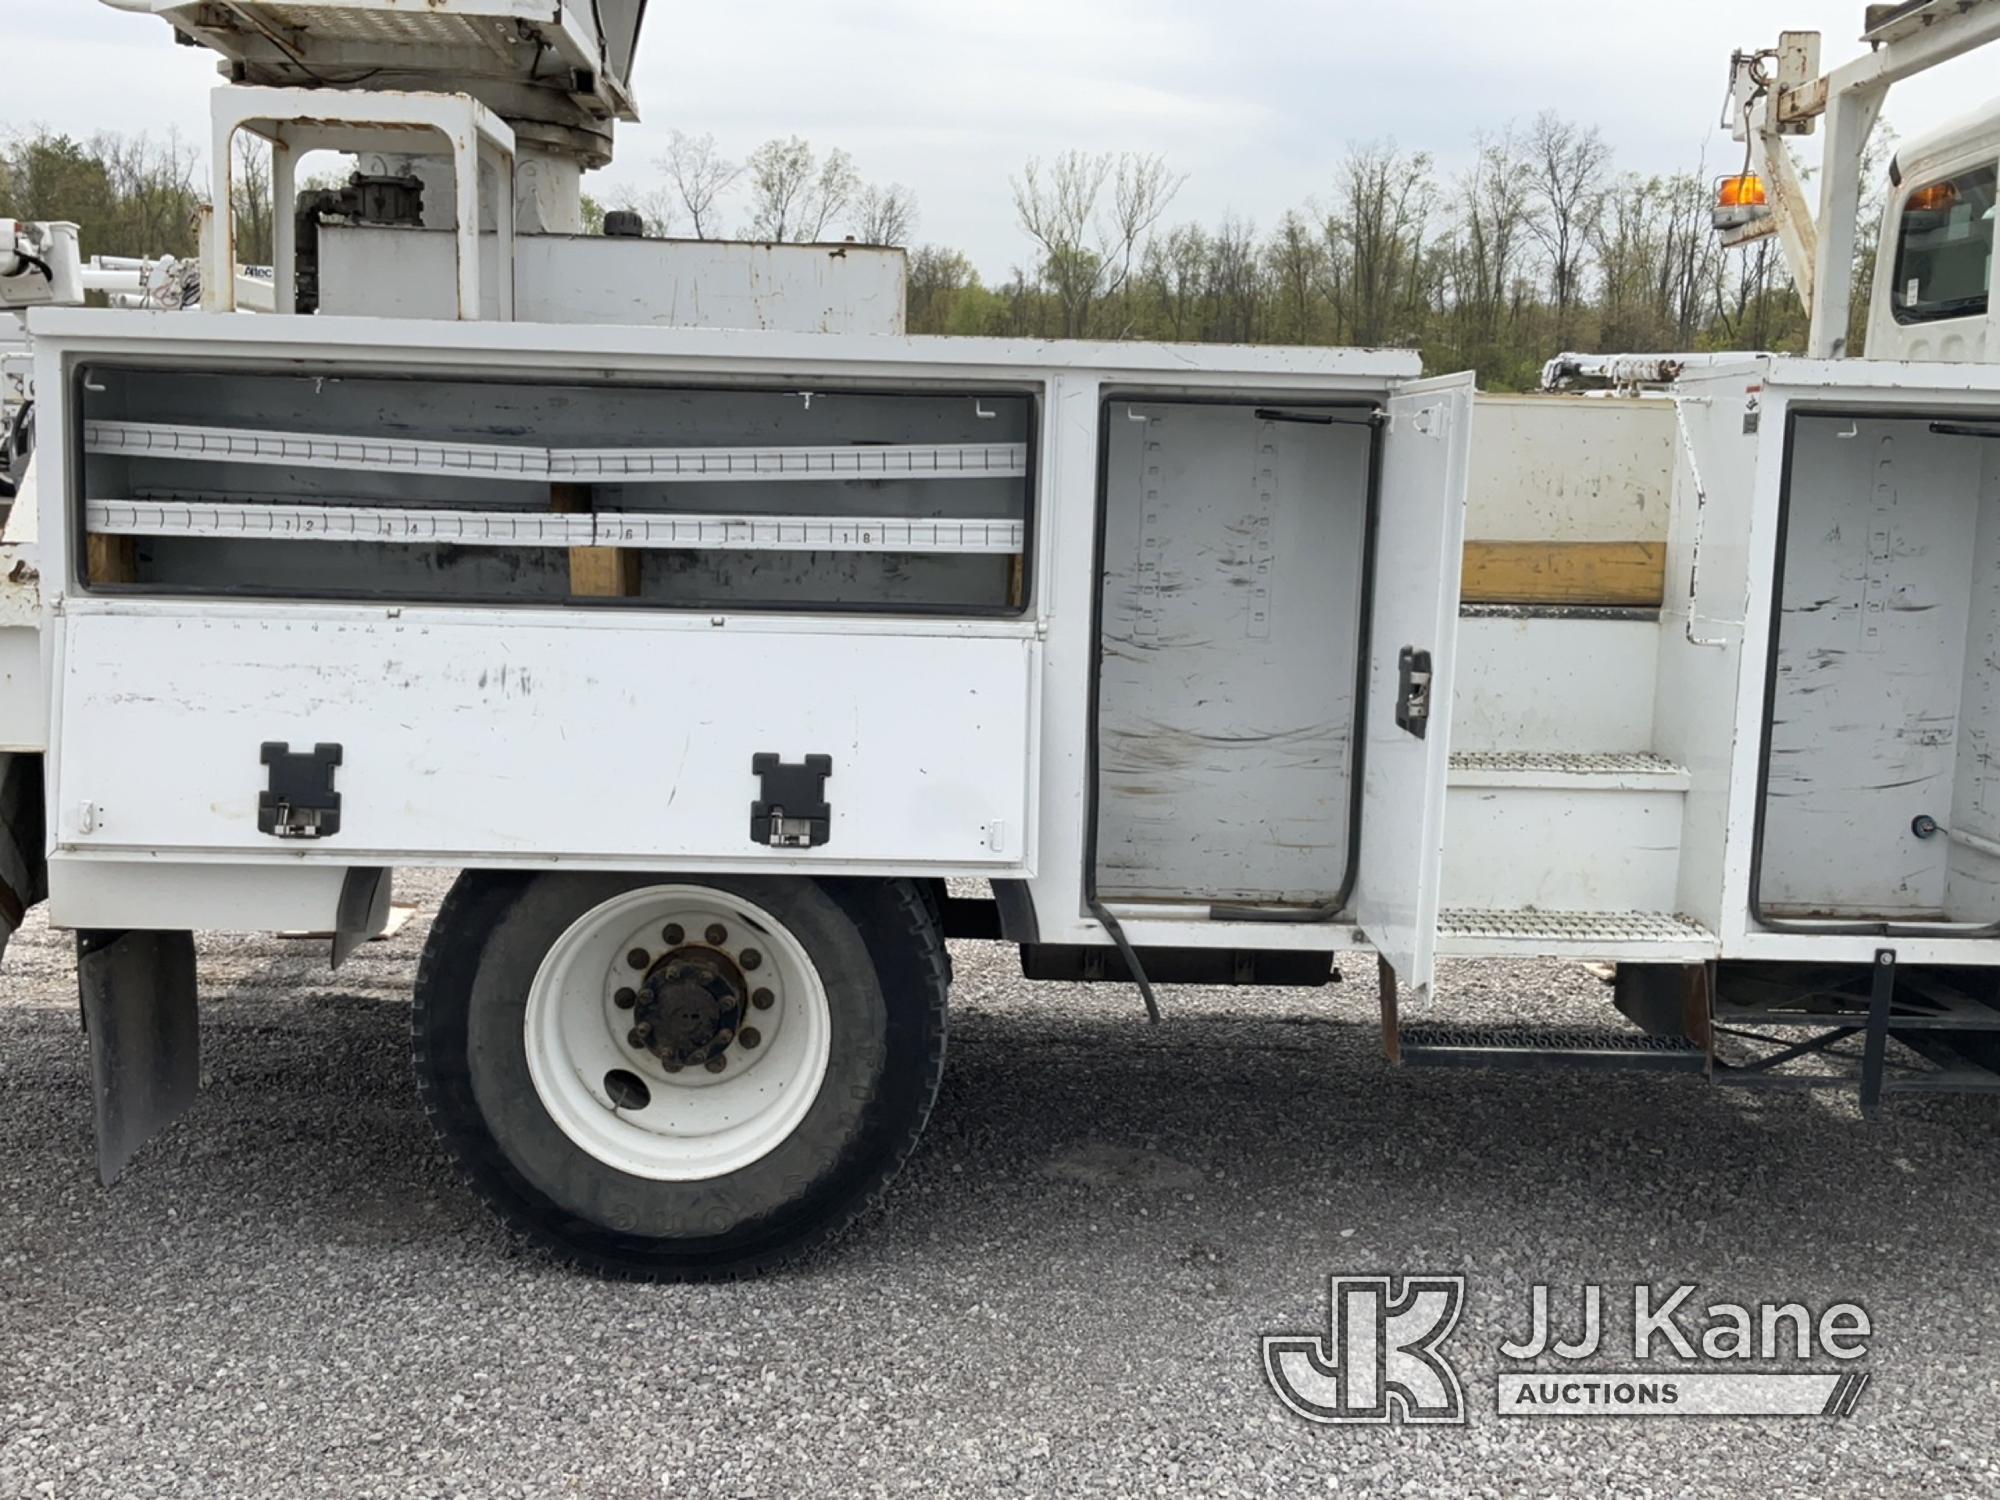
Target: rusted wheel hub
689	1008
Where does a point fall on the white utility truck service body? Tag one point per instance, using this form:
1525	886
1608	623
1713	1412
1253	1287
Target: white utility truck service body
710	656
959	733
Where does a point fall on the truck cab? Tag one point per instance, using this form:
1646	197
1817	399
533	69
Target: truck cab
1934	272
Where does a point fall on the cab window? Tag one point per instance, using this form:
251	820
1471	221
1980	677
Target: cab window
1944	249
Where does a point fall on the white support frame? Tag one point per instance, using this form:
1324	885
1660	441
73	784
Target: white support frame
1763	111
296	121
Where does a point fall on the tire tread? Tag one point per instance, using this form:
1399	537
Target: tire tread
469	910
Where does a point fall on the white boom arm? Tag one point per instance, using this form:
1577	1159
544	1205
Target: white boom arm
1780	92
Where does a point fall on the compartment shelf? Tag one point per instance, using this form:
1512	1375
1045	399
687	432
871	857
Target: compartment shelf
513	528
166	440
510	490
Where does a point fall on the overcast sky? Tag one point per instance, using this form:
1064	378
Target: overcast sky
1253	99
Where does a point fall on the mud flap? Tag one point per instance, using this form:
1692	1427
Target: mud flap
362	912
138	999
24	871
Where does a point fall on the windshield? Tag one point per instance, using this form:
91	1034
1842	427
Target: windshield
1944	249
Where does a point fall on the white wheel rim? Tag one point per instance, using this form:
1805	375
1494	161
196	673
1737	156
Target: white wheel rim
693	1123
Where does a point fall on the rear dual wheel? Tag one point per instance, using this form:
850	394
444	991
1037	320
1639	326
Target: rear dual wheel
679	1078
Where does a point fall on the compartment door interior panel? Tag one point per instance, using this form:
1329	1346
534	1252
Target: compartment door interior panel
1413	627
1234	538
538	739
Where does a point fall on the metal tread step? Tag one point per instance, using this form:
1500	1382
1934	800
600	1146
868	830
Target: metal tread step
1645	613
1630	770
1515	1047
1572	934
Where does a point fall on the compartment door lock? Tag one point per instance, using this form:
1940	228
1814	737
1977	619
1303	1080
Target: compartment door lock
299	801
1413	696
791	810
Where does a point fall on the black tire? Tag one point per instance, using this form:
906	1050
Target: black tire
881	959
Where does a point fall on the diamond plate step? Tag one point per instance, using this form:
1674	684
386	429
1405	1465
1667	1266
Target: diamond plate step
1507	1047
1635	770
1629	935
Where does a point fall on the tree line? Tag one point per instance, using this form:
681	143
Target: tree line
1540	243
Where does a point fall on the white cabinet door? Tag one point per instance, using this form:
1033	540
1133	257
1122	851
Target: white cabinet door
533	737
1413	627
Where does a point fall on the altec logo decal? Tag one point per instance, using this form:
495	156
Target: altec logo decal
1382	1358
1381	1361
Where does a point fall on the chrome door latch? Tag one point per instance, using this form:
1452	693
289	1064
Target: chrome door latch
1413	696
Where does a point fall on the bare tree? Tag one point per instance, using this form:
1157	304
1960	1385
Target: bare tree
1088	252
939	279
1141	189
1567	163
794	193
250	190
699	175
885	215
1233	289
1375	237
1055	205
1176	268
1497	211
1296	261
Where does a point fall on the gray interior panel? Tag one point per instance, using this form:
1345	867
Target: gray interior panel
1884	702
564	416
1233	562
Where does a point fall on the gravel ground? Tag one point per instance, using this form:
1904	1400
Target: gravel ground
291	1295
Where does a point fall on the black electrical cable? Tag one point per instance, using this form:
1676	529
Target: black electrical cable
38	263
1132	965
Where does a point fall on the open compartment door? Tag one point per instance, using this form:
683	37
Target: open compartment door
1412	632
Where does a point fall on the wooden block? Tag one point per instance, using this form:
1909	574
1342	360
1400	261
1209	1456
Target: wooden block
594	572
111	559
603	572
1627	573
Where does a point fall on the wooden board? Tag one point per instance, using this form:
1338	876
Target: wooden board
111	559
1628	573
595	572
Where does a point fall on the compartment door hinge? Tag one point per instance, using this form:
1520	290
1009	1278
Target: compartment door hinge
1413	696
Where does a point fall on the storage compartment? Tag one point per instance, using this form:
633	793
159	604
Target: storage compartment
633	740
1879	804
1233	593
335	485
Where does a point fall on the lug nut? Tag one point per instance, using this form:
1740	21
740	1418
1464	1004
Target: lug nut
636	1036
726	1035
672	934
749	1036
763	999
625	999
716	1064
749	958
673	1067
638	958
717	934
